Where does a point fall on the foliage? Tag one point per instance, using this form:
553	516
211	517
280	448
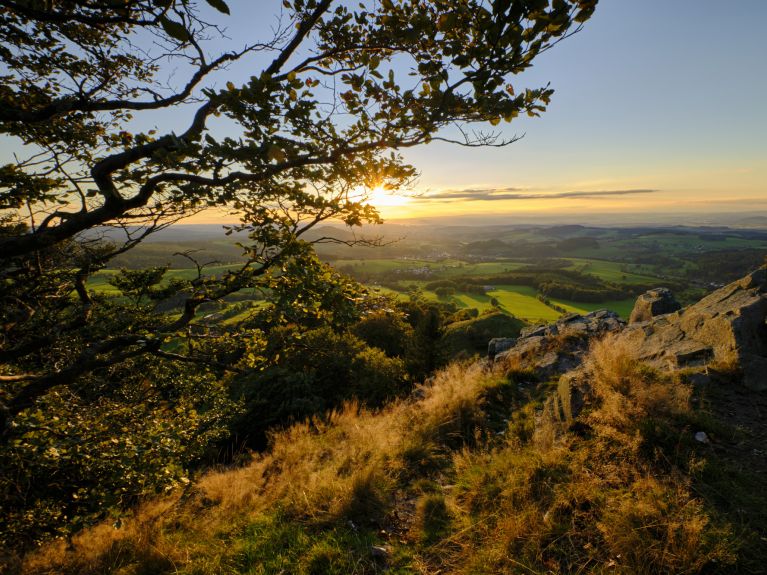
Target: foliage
335	92
74	79
85	454
143	283
385	329
311	372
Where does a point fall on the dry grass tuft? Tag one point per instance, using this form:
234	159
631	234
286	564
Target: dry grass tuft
630	390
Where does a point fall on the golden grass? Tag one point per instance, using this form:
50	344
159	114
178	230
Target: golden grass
343	466
628	389
536	499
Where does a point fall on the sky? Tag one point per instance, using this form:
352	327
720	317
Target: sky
666	97
659	107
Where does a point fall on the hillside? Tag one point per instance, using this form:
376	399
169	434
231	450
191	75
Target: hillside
585	446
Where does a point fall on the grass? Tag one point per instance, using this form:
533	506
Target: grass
610	271
516	300
473	475
622	307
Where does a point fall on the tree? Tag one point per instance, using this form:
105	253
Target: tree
329	99
331	96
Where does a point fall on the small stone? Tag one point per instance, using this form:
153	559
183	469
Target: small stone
702	437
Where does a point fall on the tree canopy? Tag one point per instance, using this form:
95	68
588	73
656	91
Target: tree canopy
330	97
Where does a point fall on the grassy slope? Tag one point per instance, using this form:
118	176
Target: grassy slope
479	475
471	336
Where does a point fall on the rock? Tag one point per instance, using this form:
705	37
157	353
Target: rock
553	349
571	392
658	301
702	437
549	364
689	354
498	345
727	327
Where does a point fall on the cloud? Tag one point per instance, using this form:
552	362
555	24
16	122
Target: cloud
498	194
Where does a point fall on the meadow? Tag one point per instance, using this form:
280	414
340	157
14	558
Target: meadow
517	300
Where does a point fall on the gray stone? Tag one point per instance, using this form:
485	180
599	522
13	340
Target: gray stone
533	331
498	345
701	437
727	327
539	348
658	301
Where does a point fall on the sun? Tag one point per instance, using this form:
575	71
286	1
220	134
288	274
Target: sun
381	198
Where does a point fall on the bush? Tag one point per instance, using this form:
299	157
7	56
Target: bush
386	330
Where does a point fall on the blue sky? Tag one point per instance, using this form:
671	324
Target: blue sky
664	96
668	95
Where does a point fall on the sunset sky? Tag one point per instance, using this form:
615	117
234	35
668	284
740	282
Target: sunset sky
668	98
659	107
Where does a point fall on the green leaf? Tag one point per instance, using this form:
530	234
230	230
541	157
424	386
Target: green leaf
219	5
174	29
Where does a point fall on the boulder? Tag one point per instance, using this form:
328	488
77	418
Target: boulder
727	327
652	303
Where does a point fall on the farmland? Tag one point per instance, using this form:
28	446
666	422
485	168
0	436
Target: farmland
534	273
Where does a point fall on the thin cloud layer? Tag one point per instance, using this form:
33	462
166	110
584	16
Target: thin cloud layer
493	195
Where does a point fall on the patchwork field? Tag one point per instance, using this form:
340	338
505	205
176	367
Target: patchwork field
611	271
517	300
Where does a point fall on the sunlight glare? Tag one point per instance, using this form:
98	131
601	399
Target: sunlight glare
379	197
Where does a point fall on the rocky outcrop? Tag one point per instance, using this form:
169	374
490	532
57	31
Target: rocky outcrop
726	327
499	344
553	349
655	302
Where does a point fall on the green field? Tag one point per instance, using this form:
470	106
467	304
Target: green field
520	301
622	307
517	300
99	282
610	271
